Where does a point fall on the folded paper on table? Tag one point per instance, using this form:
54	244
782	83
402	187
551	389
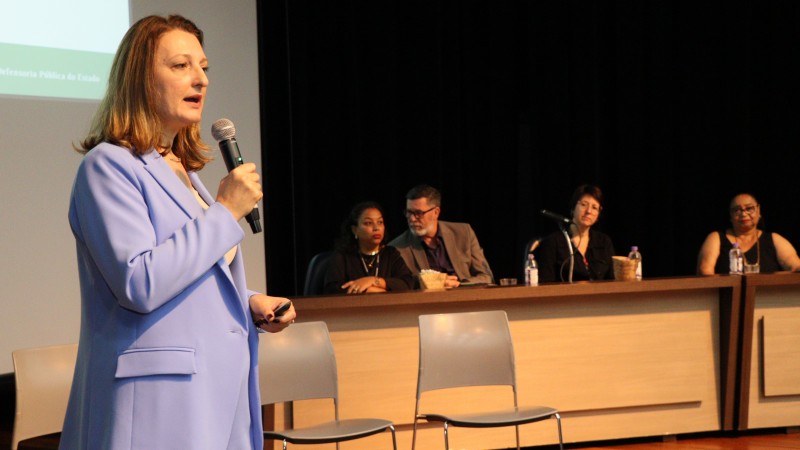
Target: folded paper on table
624	268
431	280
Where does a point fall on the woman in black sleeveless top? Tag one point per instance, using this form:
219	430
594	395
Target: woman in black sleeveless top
362	262
768	252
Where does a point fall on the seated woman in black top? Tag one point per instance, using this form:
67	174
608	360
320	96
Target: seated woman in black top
763	251
592	249
362	263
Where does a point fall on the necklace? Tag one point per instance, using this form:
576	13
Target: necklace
375	261
758	250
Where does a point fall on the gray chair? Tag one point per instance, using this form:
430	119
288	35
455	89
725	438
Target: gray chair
299	364
530	247
43	377
471	349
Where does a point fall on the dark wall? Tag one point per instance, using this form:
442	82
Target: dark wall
670	107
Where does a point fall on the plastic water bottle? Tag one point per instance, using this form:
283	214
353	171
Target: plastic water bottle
636	256
736	261
531	271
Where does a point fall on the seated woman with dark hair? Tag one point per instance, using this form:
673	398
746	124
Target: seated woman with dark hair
362	263
763	251
593	250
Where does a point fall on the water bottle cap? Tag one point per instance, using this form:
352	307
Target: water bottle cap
635	248
735	245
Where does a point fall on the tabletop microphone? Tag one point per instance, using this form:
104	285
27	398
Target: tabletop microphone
556	217
225	134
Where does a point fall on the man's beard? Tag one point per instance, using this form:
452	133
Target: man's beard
421	231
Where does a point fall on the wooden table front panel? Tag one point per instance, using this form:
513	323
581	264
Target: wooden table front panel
771	391
617	359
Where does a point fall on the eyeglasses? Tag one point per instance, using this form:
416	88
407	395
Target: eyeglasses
590	206
416	214
749	210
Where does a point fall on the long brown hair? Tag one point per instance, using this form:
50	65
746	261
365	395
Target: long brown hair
127	114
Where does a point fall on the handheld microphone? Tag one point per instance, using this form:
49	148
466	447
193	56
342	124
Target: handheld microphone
224	133
556	217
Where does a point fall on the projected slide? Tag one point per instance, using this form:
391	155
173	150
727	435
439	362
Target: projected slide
53	48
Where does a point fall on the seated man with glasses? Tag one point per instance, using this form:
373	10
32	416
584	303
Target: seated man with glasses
447	247
763	251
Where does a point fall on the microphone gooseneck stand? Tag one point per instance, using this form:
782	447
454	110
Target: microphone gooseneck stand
563	222
565	232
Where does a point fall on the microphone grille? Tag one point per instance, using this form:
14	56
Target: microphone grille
223	129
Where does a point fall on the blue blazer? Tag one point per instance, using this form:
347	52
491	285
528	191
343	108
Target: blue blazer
167	357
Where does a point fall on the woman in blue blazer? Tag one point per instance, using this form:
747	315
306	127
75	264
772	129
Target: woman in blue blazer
167	356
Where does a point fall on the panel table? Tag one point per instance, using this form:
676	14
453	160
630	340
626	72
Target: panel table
619	359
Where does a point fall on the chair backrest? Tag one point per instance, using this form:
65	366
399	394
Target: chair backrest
44	377
465	349
297	364
530	246
315	275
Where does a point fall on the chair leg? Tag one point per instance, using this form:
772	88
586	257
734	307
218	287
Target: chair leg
446	440
414	434
394	438
560	438
516	429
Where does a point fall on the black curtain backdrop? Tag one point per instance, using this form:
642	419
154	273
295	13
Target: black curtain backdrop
670	107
